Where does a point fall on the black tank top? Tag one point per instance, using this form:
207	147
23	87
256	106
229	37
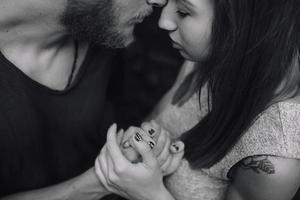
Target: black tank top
48	136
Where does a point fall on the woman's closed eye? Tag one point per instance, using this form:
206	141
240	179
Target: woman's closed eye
181	13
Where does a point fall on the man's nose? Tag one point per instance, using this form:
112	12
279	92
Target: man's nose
156	3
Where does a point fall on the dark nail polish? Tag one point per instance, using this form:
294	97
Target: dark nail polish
175	147
151	144
138	137
151	132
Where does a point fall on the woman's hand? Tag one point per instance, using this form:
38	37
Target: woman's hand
140	181
159	141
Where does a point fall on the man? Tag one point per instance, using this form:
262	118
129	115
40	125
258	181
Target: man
52	91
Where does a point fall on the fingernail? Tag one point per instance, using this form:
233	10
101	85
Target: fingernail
138	137
175	147
151	132
126	144
151	144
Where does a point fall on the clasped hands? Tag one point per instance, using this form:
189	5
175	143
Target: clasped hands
132	163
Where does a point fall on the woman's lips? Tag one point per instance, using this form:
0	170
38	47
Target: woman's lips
176	45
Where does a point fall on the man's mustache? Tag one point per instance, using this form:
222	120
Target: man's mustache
141	15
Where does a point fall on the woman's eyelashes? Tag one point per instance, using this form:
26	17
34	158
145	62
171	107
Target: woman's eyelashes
181	13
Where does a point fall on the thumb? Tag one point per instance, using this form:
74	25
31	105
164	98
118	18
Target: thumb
144	150
176	147
120	135
176	161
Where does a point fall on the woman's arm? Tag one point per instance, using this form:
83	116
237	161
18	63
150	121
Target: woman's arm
84	187
265	177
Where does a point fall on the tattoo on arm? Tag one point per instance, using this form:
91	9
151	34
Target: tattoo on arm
258	164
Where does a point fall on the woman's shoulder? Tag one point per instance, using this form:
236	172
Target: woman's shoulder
289	111
271	154
276	127
282	118
276	131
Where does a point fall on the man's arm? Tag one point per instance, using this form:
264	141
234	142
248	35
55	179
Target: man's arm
84	187
265	177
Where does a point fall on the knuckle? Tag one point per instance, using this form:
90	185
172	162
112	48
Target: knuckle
131	129
165	153
167	132
145	125
119	169
161	161
108	181
162	138
142	132
113	179
129	132
163	170
156	164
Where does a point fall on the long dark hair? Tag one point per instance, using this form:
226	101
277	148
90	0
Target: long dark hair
254	44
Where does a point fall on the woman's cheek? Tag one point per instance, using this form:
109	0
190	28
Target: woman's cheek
196	44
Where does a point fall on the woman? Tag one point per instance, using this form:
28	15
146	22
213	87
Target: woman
243	140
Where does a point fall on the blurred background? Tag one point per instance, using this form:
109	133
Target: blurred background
147	69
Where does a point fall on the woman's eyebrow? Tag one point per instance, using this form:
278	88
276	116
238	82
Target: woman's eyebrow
186	2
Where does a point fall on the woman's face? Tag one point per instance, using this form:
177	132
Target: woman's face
189	23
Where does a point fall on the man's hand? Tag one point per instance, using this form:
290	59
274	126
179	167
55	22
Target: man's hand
142	180
159	141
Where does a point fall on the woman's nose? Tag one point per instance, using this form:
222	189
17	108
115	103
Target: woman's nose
167	19
156	3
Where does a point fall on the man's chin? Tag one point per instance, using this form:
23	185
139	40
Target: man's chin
117	42
129	41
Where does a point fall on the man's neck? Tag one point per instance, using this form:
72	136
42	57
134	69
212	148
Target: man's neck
32	38
32	23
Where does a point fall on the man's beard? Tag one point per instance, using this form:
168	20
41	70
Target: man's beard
93	21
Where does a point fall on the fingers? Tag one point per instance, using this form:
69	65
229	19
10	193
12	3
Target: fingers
100	175
177	146
144	150
104	169
177	150
150	129
120	135
101	167
133	130
160	144
112	171
146	138
162	157
164	167
129	152
159	135
127	135
176	161
113	147
157	128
